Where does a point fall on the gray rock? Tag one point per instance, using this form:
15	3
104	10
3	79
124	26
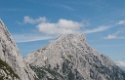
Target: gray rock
11	59
121	64
69	57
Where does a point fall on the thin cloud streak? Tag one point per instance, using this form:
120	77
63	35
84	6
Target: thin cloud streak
67	7
20	38
111	37
95	30
122	22
116	35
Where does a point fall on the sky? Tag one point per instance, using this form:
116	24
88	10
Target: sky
35	23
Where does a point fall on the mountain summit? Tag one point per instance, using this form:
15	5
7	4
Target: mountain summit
69	57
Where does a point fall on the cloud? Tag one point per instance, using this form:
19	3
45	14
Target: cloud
120	63
30	20
47	29
122	22
111	37
19	38
67	7
63	26
53	29
116	35
98	29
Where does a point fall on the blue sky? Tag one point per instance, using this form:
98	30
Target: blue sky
35	23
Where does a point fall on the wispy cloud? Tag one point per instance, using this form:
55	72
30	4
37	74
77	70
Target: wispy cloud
19	38
116	35
30	20
111	37
122	22
67	7
95	30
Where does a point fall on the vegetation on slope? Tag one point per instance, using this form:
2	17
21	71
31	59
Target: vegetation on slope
8	70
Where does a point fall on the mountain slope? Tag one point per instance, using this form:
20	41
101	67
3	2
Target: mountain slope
121	64
69	57
12	66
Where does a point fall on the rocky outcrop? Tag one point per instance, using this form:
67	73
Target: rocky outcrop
6	72
12	65
69	57
121	64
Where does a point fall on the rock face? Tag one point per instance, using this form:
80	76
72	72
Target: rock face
12	66
69	57
121	64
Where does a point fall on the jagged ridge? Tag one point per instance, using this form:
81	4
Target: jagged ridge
10	55
73	59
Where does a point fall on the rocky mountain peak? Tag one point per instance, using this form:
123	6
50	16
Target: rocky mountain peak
69	57
11	61
71	38
77	36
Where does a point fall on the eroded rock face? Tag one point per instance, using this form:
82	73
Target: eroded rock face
6	72
121	64
69	57
10	55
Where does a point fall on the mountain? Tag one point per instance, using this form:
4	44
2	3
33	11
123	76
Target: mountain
69	57
12	65
121	64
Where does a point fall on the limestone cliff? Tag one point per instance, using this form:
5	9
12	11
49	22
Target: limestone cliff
12	66
69	57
